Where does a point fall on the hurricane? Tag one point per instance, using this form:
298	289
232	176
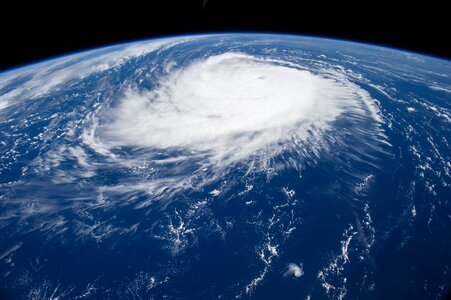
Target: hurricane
231	109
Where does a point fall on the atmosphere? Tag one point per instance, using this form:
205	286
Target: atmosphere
42	30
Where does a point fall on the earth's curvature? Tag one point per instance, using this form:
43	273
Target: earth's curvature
226	166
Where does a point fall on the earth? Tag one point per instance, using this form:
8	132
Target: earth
227	166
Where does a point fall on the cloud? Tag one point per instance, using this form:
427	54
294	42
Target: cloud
224	110
293	269
227	107
40	79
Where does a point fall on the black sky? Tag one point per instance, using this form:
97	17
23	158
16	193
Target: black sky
32	32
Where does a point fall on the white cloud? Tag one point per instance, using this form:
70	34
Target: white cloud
227	109
293	269
47	76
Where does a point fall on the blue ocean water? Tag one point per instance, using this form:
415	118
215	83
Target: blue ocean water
151	170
